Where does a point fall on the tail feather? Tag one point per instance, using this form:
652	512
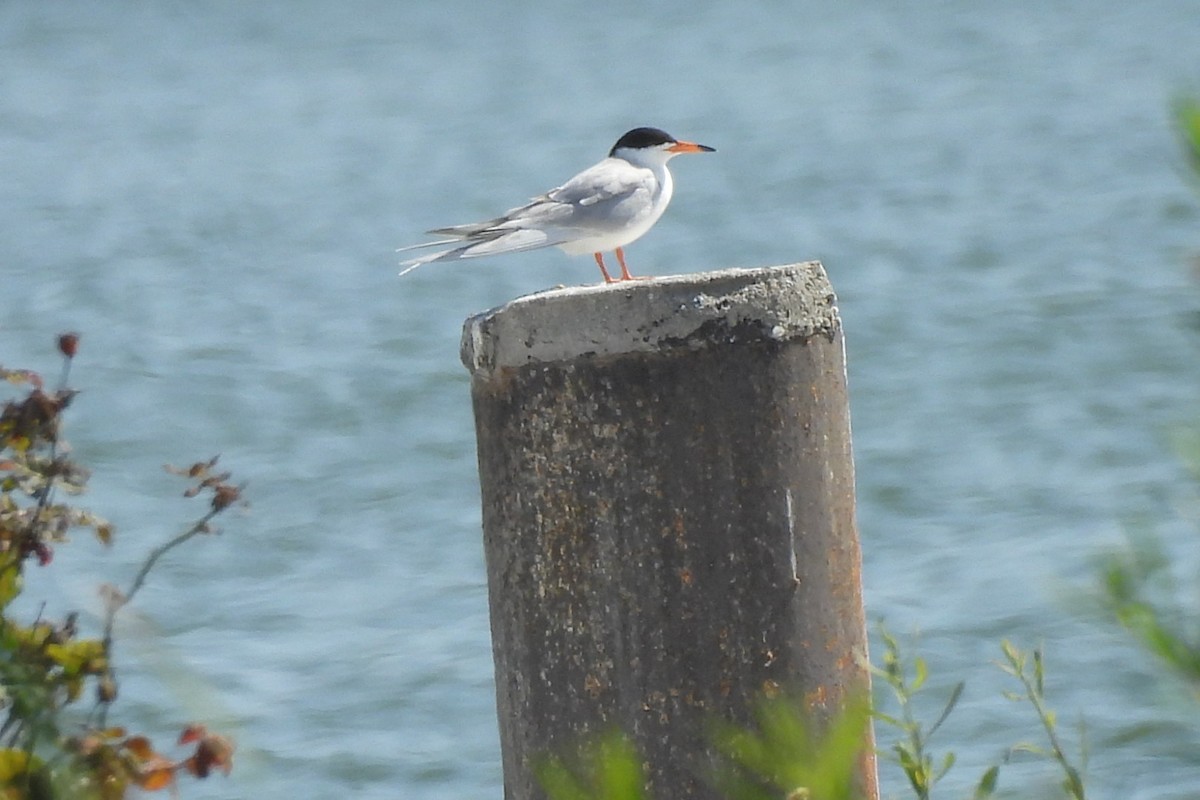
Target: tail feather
441	256
517	241
468	230
423	245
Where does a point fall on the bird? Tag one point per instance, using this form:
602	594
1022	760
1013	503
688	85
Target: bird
605	207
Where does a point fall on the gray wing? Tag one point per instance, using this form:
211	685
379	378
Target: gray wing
610	180
591	201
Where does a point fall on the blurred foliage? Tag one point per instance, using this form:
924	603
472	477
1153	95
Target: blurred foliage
1186	113
46	666
1137	585
786	754
606	769
1138	591
783	755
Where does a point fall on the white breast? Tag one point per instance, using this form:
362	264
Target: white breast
623	218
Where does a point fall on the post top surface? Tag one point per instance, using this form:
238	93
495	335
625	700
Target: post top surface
772	303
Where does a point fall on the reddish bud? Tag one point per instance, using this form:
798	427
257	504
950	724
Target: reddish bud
41	550
139	747
212	751
224	496
68	344
192	733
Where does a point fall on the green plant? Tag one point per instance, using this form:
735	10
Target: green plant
1029	670
46	666
911	751
782	756
1138	591
1136	586
787	754
1186	113
607	768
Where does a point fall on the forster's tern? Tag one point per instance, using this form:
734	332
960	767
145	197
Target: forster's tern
605	207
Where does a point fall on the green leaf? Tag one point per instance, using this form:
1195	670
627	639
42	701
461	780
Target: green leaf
950	704
908	760
13	764
1187	123
620	768
921	670
557	781
947	763
10	577
607	768
1016	657
987	784
887	719
1028	747
1073	783
785	751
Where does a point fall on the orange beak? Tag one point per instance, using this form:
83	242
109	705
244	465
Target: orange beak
690	147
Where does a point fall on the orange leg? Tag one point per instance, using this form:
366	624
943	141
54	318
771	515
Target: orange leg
625	276
600	263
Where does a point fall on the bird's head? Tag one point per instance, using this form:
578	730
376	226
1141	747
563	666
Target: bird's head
653	146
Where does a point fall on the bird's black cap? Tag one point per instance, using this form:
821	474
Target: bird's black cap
640	138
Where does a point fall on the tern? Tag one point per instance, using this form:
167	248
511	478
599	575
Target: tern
603	208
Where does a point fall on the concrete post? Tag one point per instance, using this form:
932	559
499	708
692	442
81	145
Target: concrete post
668	512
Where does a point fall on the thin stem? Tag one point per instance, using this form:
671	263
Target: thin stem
1043	713
914	737
139	580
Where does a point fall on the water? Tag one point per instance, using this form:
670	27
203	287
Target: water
211	193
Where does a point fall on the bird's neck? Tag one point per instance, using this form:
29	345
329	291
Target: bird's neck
658	166
665	182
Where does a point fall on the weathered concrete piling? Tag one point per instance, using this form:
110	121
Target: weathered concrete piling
668	512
